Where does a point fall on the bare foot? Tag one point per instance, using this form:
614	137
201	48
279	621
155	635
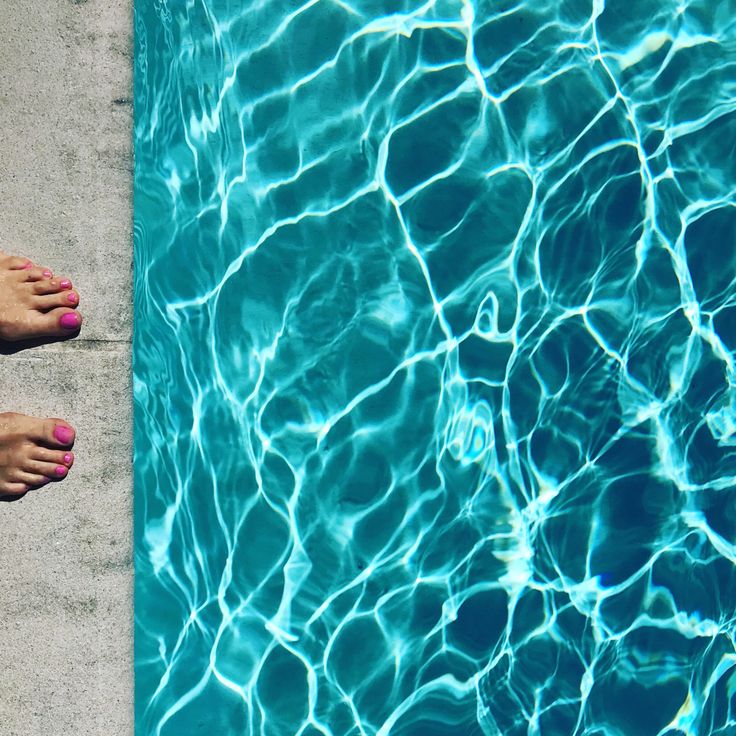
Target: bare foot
33	303
33	452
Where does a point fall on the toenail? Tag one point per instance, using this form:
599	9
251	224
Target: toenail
60	470
72	297
27	266
47	274
63	434
68	458
65	284
69	321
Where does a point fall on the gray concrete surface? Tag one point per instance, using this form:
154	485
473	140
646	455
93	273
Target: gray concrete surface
65	186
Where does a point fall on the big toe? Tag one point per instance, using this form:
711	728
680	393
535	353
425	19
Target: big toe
59	322
33	324
58	433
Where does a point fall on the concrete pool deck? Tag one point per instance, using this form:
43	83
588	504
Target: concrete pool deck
66	181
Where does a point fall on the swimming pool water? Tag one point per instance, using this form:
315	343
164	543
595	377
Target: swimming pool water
435	367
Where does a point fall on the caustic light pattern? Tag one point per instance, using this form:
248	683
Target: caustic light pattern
435	367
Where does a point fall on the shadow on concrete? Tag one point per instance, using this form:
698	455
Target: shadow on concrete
10	348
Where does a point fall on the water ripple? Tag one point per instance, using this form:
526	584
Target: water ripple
435	368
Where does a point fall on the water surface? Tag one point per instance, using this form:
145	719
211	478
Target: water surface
435	368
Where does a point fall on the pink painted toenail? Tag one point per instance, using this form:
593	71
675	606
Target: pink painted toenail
68	458
28	266
65	284
60	470
63	434
72	297
47	274
69	321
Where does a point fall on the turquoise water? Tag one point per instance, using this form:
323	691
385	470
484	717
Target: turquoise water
435	368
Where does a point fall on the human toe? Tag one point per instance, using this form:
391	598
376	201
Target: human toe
58	322
31	480
49	457
16	263
34	273
60	299
11	491
49	471
68	320
57	433
34	324
51	286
